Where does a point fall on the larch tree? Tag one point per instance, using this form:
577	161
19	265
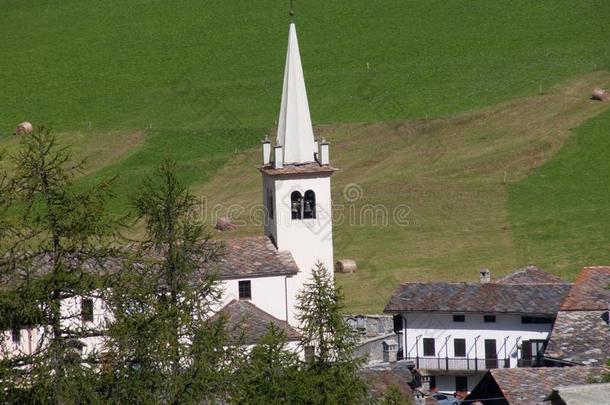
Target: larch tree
163	345
332	372
55	240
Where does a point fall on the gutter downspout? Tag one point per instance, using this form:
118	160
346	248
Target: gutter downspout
404	336
286	296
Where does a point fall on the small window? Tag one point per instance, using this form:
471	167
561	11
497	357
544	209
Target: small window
459	318
309	354
269	203
398	320
309	205
245	290
489	318
536	319
461	383
429	349
459	347
296	205
16	335
86	305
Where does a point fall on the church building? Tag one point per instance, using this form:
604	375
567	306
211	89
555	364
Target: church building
261	276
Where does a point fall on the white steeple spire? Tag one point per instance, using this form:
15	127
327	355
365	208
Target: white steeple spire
295	133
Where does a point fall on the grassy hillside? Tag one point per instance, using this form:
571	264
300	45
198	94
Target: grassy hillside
560	215
453	175
192	64
444	107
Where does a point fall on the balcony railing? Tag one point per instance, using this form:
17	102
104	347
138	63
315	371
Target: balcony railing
458	363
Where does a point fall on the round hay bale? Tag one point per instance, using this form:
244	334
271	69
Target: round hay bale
600	94
224	224
346	266
24	128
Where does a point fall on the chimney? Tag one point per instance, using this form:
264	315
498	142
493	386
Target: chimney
316	150
485	276
279	157
324	154
266	151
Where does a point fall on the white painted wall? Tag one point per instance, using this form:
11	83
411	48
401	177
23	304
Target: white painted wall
268	293
508	331
441	326
309	240
446	383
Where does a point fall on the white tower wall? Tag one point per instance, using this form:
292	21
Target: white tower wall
309	240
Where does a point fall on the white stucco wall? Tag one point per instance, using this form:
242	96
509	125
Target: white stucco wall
441	326
309	240
268	293
508	332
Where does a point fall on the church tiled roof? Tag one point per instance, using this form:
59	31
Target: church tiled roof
254	257
530	275
533	299
248	322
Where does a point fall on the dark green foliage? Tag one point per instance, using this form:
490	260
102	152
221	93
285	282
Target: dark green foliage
272	373
162	345
332	375
394	396
53	245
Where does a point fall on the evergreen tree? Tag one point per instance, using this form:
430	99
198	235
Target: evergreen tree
54	245
394	396
331	376
271	374
162	346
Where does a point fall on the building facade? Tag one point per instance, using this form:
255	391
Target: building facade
455	332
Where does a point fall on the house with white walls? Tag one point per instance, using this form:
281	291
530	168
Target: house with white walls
455	332
260	276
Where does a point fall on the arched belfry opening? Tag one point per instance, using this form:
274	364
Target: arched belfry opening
309	205
296	205
303	206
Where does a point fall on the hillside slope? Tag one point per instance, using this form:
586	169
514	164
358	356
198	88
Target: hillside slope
189	64
451	173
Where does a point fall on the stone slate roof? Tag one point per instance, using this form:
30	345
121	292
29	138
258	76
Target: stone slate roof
534	299
246	320
380	376
581	394
254	257
581	337
530	275
532	385
581	333
237	258
591	290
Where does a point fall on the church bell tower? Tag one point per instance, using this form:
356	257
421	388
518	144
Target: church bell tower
296	181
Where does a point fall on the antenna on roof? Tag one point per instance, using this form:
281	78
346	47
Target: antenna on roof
291	12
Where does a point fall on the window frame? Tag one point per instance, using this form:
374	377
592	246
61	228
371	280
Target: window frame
455	351
489	319
459	318
536	320
464	386
309	197
269	203
87	310
16	336
296	201
244	290
426	342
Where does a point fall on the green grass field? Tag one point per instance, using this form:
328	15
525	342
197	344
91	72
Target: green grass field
452	108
